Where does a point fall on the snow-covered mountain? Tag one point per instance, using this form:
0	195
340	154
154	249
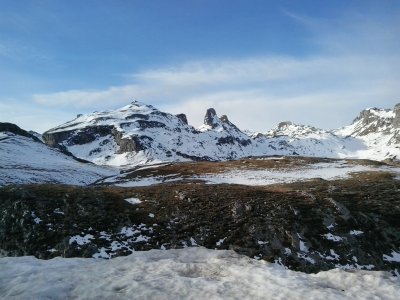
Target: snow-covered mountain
25	159
379	132
293	139
139	134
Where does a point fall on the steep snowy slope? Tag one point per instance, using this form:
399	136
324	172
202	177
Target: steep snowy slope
139	133
374	134
24	159
378	130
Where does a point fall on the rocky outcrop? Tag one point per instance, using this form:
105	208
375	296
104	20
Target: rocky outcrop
9	127
211	119
396	120
370	121
76	137
285	124
183	118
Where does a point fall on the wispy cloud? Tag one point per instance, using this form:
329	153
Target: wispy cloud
349	73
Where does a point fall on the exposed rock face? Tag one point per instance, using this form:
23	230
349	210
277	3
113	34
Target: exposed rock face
211	118
379	129
74	137
374	120
284	124
9	127
370	121
224	119
131	144
228	124
183	118
396	121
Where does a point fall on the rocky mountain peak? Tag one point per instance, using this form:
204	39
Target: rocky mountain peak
137	105
211	119
228	125
285	124
183	118
224	119
374	120
396	120
290	130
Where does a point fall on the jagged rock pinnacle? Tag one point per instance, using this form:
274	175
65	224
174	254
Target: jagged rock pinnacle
396	121
211	118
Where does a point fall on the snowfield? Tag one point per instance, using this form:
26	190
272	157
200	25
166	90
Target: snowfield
328	171
24	160
191	273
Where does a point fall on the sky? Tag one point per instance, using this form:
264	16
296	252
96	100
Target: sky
258	61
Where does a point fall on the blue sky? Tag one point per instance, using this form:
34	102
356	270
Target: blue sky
259	62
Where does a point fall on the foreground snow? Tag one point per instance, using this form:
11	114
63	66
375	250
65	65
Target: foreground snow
191	273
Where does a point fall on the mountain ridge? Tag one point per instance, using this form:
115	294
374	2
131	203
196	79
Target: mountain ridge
26	159
139	134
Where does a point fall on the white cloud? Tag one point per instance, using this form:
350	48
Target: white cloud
349	73
258	92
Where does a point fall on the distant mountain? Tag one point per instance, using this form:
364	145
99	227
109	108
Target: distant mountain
25	159
140	134
293	139
378	130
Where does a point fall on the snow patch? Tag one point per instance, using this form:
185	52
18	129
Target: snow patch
183	274
220	242
35	218
81	240
133	200
393	257
356	232
331	237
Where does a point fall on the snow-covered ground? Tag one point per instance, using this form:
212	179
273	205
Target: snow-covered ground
23	160
191	273
327	171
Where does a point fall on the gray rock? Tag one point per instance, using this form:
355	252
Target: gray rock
183	118
211	118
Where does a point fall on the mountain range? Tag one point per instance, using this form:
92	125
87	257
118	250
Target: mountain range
94	146
140	134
